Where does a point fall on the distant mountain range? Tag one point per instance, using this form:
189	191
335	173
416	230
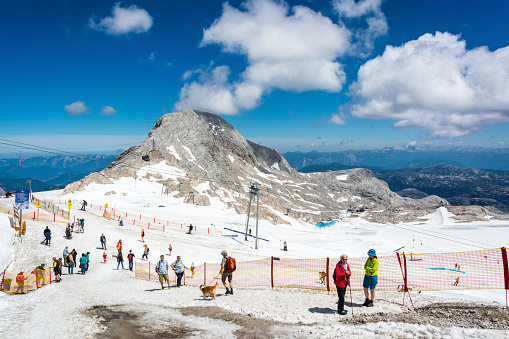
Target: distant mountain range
48	173
460	186
411	172
391	158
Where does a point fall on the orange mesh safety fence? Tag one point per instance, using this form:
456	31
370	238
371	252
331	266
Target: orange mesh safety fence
22	283
462	270
146	222
50	207
7	210
431	271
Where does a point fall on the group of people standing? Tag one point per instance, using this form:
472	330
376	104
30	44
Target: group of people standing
342	274
69	259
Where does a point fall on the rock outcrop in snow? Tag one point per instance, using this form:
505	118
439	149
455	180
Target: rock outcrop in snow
200	149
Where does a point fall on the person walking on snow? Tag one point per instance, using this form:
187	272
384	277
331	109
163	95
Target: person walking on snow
65	253
57	268
74	256
162	270
341	278
119	245
142	235
169	249
130	257
70	264
87	255
103	241
83	263
47	236
145	252
370	278
120	260
225	273
104	257
179	268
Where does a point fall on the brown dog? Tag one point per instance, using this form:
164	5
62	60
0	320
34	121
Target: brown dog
209	290
323	275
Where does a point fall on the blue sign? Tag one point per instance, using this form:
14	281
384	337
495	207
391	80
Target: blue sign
22	200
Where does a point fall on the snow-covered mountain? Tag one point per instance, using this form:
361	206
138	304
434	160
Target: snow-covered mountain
199	152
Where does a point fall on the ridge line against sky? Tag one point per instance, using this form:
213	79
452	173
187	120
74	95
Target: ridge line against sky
295	75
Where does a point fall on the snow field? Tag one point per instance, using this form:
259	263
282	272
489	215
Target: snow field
63	309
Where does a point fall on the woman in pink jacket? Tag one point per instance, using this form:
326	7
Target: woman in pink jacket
341	277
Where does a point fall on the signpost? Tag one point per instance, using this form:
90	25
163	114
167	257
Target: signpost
21	202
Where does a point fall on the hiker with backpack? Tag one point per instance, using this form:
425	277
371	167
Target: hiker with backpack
179	268
341	278
162	270
70	263
228	266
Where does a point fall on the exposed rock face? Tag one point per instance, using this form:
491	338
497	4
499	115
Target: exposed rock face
206	150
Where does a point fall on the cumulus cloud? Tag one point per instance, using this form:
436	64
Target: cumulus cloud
108	111
371	22
76	108
291	49
212	92
132	19
338	119
435	83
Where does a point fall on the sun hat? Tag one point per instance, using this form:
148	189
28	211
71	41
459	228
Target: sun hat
372	252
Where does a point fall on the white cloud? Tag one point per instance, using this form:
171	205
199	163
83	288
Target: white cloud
293	50
132	19
108	111
375	24
211	93
435	83
338	119
76	108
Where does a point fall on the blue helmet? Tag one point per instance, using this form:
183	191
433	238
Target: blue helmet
372	252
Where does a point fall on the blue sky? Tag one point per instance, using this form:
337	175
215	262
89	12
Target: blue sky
295	75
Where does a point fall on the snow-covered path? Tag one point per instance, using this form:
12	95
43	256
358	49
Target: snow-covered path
106	299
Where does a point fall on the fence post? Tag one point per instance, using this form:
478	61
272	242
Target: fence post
149	270
327	275
2	285
54	217
205	273
148	225
272	272
506	269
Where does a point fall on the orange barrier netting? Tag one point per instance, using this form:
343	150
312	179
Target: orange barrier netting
36	216
50	207
141	220
22	283
432	271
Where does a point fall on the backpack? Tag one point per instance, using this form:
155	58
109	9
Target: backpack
231	264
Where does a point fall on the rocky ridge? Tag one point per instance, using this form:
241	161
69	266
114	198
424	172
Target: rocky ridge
209	152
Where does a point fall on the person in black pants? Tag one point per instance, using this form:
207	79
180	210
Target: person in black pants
179	268
341	277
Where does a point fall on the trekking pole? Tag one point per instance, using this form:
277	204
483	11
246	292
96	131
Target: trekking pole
351	300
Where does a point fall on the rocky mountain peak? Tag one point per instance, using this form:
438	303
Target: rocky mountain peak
202	148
